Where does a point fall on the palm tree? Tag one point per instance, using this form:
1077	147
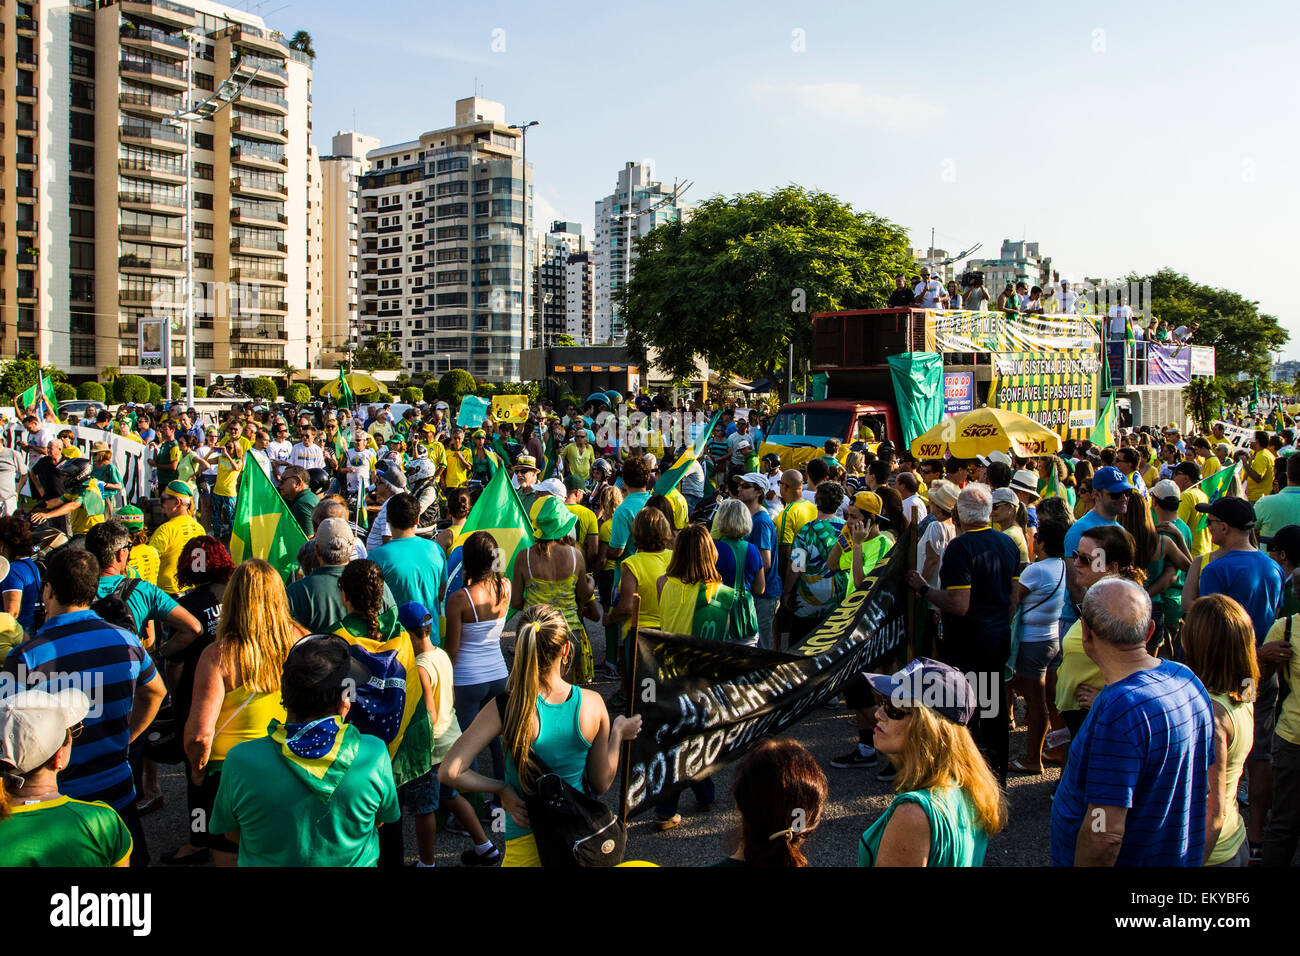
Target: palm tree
288	371
301	41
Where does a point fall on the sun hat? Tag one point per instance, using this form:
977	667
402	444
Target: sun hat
525	463
553	486
1005	496
552	521
1026	481
944	495
993	456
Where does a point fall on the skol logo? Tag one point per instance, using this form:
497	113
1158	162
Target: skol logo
979	431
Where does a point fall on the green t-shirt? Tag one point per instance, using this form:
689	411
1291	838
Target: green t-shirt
145	602
64	832
301	509
415	569
169	452
955	836
873	552
283	822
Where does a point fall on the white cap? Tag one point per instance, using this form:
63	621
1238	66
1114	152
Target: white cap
754	478
993	456
1165	489
34	725
553	486
1005	496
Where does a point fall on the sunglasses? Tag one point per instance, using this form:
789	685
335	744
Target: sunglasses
1080	558
892	711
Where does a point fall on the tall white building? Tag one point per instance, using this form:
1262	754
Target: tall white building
638	204
550	302
341	173
579	280
442	257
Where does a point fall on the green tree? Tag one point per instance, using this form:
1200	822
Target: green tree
431	390
377	354
564	341
455	385
19	374
155	394
297	394
64	392
262	387
738	282
131	388
109	374
1244	339
411	395
1204	397
91	392
200	391
301	41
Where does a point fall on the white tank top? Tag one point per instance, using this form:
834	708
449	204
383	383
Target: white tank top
479	658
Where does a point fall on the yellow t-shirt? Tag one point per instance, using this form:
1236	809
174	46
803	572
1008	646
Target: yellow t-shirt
227	485
1288	718
586	525
606	529
1076	669
145	561
1262	463
168	541
80	520
792	518
1212	466
1187	503
437	453
649	567
677	604
578	462
1018	536
1151	476
458	467
681	515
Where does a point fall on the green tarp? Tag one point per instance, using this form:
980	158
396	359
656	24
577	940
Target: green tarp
918	392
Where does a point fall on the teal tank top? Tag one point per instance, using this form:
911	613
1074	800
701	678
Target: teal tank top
559	744
956	838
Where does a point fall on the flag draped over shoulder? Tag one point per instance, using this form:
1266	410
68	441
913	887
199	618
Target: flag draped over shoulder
671	478
319	753
550	458
1215	487
346	398
499	512
263	526
1104	432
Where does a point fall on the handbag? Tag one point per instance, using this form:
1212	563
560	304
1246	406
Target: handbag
1018	629
571	829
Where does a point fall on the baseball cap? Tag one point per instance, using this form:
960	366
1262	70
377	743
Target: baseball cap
755	479
413	614
1234	512
178	489
1188	468
554	486
993	456
1165	492
1287	541
331	529
34	724
868	502
574	483
928	683
1005	496
1110	479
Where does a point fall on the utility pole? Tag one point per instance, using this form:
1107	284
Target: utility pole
523	267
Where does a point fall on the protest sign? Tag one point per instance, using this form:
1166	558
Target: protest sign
510	409
1059	391
1168	364
967	331
703	704
958	392
129	456
472	411
1236	436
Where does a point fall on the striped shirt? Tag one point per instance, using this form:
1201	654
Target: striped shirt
108	664
1147	745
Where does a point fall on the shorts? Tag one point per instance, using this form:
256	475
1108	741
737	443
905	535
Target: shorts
1265	720
1036	658
425	794
522	851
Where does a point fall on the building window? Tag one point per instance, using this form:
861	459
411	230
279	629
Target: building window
82	350
203	350
82	62
83	223
82	255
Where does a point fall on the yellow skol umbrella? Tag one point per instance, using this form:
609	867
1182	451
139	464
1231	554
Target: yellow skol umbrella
360	383
986	430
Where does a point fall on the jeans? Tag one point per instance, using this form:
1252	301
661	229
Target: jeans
223	516
766	608
470	699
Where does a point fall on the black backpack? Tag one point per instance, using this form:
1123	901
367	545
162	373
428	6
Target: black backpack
112	607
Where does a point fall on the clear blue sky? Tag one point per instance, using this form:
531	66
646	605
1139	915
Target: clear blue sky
1119	138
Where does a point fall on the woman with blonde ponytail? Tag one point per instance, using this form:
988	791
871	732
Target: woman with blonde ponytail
540	719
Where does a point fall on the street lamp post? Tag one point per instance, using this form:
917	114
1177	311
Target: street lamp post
523	266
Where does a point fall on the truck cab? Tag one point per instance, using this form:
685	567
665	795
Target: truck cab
799	431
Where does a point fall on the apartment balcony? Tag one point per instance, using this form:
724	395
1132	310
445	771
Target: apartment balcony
25	192
269	70
258	40
273	331
29	59
143	169
25	160
27	293
162	11
25	26
244	247
150	203
169	75
151	266
152	134
156	42
156	105
272	132
263	99
257	218
28	259
26	125
253	160
270	275
252	187
26	94
27	227
268	308
160	300
166	235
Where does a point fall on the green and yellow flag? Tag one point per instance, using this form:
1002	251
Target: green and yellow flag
346	398
1103	433
263	526
1215	487
40	397
499	512
671	478
550	457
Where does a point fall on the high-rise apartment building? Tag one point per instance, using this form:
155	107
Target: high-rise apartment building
549	316
341	218
94	219
638	204
442	255
579	280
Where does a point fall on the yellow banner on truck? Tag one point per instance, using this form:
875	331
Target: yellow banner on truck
1059	390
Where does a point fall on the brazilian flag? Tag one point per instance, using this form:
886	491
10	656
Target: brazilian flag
263	526
1215	487
39	397
550	457
320	754
671	478
346	398
499	512
1104	432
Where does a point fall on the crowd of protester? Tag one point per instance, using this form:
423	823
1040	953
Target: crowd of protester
1140	633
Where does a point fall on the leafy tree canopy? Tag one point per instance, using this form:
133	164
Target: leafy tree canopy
739	281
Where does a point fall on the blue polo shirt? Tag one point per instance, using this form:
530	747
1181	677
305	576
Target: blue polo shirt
107	664
1253	580
1146	745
